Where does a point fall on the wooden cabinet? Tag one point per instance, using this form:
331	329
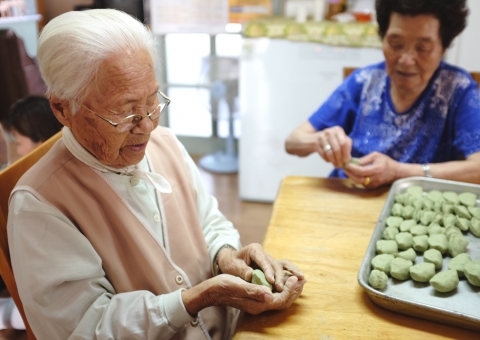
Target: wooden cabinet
41	10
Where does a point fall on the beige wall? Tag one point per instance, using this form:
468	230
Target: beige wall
54	8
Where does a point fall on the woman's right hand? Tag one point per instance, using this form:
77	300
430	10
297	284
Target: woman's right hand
334	146
232	291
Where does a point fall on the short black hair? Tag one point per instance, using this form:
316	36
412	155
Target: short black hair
32	117
452	15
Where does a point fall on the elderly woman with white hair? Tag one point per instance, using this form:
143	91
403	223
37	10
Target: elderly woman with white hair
113	234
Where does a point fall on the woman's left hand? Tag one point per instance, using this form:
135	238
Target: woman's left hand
375	169
239	263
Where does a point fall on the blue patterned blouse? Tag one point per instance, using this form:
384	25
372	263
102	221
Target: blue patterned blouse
442	125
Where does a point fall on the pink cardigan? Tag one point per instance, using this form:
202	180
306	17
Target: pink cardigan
131	257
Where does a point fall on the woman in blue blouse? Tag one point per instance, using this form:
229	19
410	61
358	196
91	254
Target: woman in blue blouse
412	115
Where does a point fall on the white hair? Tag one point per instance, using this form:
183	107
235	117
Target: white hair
72	46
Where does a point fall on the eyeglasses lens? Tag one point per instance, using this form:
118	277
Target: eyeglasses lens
128	124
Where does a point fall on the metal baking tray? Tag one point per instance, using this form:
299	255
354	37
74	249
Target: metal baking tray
461	307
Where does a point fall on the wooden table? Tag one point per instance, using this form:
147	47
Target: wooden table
324	226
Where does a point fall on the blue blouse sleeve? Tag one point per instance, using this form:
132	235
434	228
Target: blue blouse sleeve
467	122
341	107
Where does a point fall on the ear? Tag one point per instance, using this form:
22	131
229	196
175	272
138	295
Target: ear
61	110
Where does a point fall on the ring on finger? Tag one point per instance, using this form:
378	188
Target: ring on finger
327	148
367	181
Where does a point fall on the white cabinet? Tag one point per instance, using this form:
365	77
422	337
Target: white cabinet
465	51
281	84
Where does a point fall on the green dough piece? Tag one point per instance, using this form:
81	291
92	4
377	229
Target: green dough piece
387	247
435	229
399	268
438	206
378	279
449	231
445	282
474	211
438	218
435	196
433	256
407	225
457	244
418	203
258	278
408	254
449	220
409	199
354	160
475	226
463	224
448	208
428	203
468	199
458	263
408	212
427	217
420	243
389	233
397	210
438	242
382	262
472	272
419	230
462	211
417	214
394	221
422	272
415	190
451	197
399	198
404	240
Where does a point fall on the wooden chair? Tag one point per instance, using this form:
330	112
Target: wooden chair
348	70
8	178
476	77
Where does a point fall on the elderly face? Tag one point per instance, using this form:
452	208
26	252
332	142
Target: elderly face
413	51
126	84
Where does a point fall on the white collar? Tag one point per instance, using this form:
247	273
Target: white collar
154	179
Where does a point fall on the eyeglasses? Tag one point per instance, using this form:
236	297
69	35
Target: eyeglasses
129	122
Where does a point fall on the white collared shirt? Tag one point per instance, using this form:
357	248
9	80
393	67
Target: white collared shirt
60	276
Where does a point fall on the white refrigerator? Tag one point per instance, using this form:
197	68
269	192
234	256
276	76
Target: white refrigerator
281	84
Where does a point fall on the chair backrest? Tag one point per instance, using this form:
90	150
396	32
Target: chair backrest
347	71
8	178
476	77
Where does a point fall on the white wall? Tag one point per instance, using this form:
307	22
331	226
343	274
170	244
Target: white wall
465	50
31	6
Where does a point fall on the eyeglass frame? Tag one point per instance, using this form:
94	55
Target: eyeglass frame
149	114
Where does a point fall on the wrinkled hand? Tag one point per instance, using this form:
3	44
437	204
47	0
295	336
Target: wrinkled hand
341	146
239	263
254	299
233	290
379	167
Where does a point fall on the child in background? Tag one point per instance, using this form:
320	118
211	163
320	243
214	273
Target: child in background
31	122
